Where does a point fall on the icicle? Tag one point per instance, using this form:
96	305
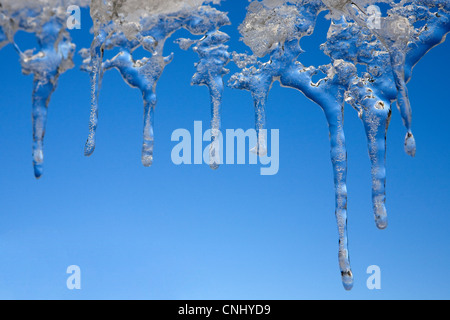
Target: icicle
259	83
149	139
398	59
41	95
142	74
260	100
395	33
210	71
374	92
129	27
370	95
273	28
425	38
96	74
387	47
328	93
216	93
54	58
376	121
335	118
46	67
47	62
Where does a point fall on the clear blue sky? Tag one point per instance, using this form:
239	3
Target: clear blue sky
188	232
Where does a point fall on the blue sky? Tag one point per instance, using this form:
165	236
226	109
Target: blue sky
187	232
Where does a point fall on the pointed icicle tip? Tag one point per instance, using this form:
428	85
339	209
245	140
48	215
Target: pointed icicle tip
88	151
89	147
147	153
410	144
214	166
214	163
382	223
381	217
260	149
38	170
147	160
347	280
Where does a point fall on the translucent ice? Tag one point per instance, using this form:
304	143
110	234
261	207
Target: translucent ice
214	56
388	47
372	53
47	20
133	24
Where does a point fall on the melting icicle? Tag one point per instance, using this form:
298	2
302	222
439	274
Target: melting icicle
96	75
371	96
388	72
53	57
258	82
274	28
397	33
266	28
283	66
394	32
46	66
387	48
136	24
385	81
437	19
101	13
210	71
142	74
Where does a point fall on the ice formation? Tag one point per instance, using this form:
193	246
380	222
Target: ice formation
372	53
46	19
132	24
388	47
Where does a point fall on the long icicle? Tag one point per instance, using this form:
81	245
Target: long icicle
395	33
96	74
260	101
398	59
47	65
214	56
149	138
41	97
376	122
335	118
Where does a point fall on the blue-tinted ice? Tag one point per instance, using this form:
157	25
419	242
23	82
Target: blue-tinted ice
388	46
47	62
372	53
113	30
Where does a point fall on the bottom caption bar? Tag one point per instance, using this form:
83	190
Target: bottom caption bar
224	309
